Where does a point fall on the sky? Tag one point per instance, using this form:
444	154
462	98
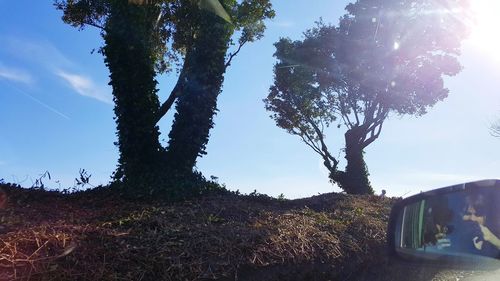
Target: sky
56	113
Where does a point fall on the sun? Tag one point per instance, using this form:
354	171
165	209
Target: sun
485	33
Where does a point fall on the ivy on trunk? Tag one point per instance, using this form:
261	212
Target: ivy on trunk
129	56
144	38
196	106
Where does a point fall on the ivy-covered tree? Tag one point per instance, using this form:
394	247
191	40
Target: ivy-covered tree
385	57
133	50
143	38
205	40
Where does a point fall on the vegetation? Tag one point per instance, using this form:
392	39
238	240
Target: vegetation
384	57
205	38
96	235
143	39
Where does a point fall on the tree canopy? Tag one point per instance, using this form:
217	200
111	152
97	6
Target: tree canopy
384	57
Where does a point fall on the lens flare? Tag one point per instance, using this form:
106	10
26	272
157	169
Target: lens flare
485	34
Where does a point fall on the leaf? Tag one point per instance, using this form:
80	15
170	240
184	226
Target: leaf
215	7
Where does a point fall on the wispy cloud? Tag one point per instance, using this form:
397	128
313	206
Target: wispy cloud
85	86
45	54
15	75
40	52
38	101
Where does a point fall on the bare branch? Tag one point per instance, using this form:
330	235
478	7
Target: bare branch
345	115
326	154
378	119
347	122
165	107
94	25
322	126
311	145
310	141
369	113
354	109
176	92
375	133
231	56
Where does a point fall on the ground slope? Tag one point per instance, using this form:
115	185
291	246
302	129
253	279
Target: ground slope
97	236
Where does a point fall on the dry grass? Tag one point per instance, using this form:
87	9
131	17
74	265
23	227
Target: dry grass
49	236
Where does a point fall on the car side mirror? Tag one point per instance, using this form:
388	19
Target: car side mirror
453	226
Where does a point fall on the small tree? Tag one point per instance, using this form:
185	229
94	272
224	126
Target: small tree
385	56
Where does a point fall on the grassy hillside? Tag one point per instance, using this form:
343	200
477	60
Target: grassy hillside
98	236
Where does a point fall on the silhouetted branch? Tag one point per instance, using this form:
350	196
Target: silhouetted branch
231	56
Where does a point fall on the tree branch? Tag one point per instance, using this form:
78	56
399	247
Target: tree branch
345	115
231	56
326	154
310	144
94	25
369	112
176	91
354	109
379	118
373	135
165	107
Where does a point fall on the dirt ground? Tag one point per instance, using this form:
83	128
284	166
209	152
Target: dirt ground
98	236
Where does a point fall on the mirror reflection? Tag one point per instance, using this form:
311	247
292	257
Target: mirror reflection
460	223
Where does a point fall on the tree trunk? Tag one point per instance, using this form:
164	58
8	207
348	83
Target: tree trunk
128	53
354	180
197	103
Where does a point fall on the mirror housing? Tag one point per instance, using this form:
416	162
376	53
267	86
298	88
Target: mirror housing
455	226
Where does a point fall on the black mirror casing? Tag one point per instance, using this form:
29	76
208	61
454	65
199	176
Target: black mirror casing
449	254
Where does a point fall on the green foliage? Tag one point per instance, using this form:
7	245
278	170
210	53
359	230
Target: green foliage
144	38
95	13
215	219
384	57
134	45
203	71
206	39
259	197
129	56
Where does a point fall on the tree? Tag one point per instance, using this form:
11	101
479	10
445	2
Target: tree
133	52
385	57
143	38
206	60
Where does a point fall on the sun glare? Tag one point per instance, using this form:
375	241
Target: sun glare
484	33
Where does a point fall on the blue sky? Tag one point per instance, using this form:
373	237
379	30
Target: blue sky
56	113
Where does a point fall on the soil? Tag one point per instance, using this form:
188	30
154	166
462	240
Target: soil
98	236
